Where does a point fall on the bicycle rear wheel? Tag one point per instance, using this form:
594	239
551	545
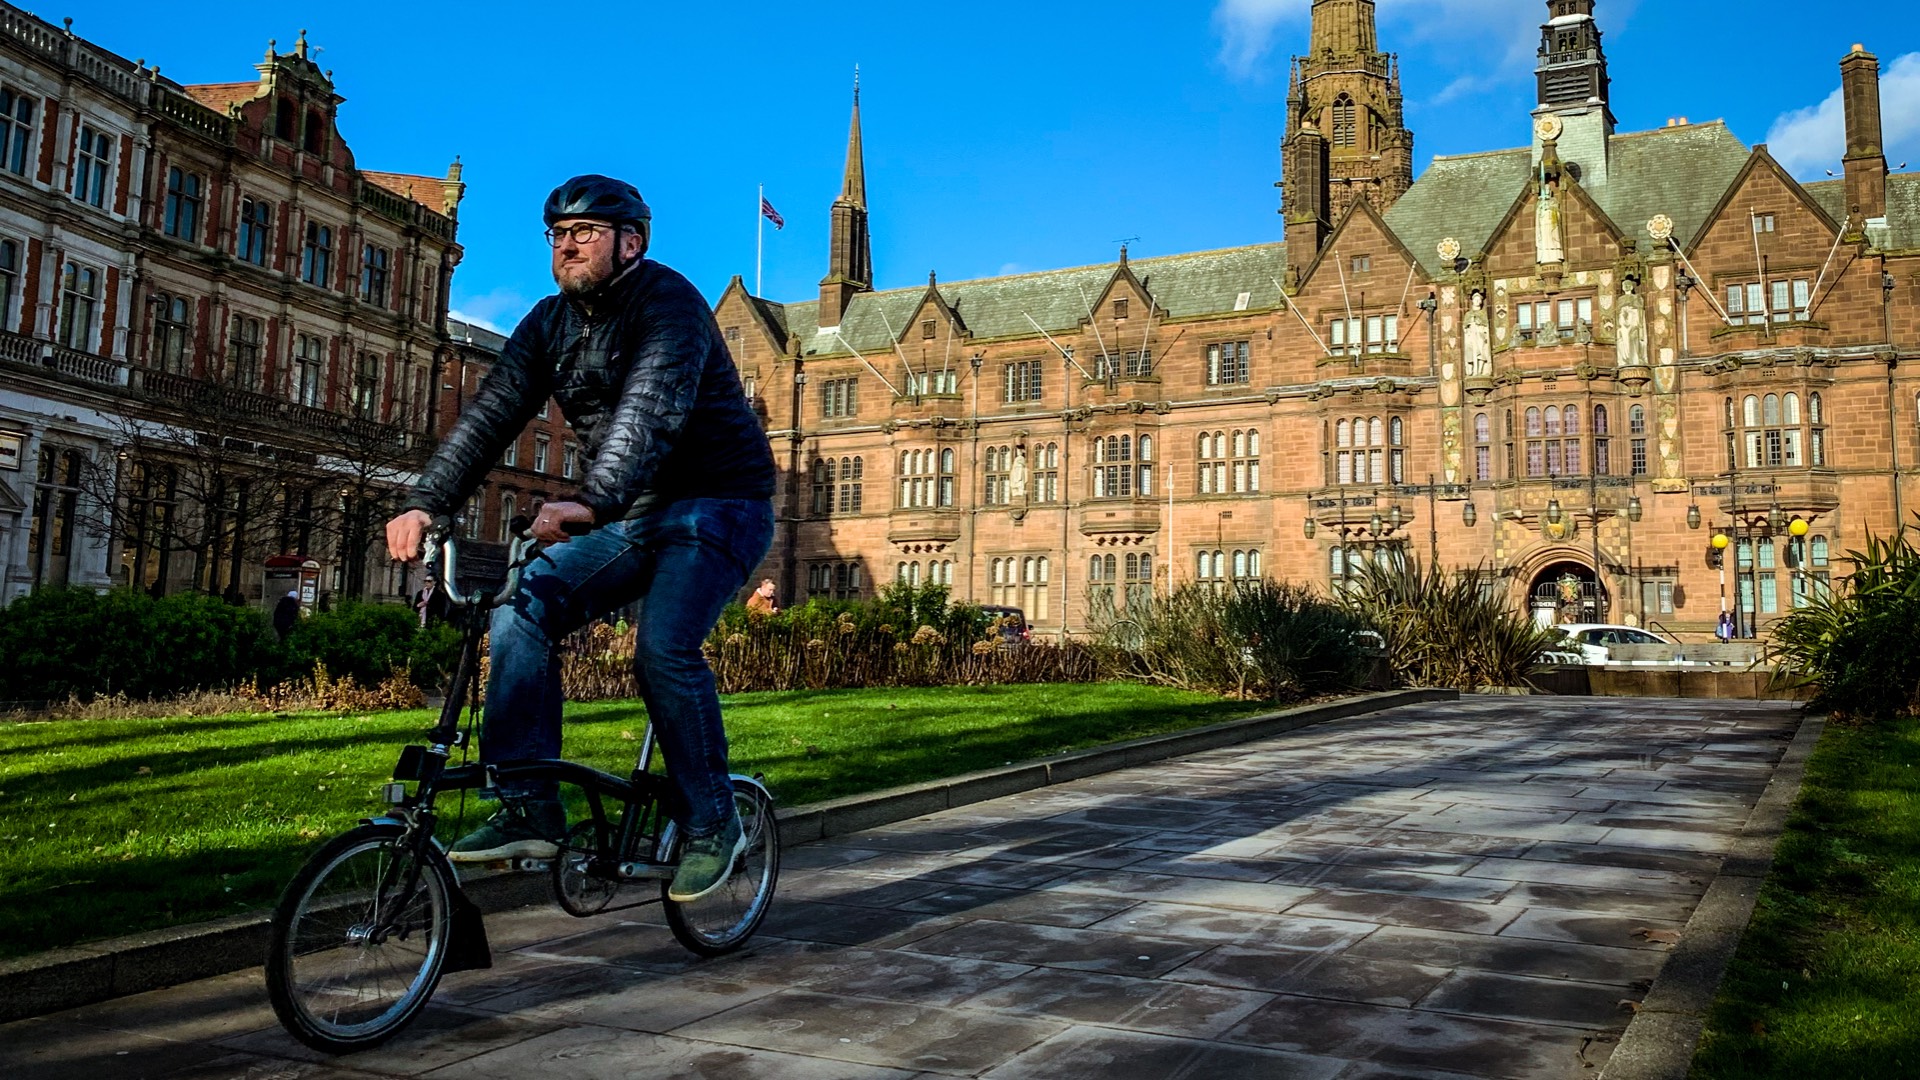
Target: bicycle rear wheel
359	939
724	919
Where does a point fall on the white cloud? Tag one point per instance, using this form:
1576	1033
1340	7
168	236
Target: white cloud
1808	142
496	311
1247	30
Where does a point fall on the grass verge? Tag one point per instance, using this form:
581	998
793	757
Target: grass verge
1827	977
115	826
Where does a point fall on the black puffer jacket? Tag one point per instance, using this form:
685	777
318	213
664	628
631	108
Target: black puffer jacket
644	379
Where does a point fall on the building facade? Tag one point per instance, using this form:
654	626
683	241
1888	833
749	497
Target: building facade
221	336
1565	367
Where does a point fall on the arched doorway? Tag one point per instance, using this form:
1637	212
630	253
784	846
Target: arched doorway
1567	592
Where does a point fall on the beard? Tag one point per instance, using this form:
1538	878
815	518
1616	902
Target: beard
582	278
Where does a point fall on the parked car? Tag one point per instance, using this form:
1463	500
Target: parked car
1592	639
1013	629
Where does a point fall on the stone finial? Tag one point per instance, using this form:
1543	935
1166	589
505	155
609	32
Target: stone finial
272	44
300	46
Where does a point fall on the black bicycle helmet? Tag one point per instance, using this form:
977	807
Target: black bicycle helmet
601	198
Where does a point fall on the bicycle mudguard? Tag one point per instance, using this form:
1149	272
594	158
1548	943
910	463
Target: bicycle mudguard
467	948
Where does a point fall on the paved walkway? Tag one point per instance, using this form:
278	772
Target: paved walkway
1441	891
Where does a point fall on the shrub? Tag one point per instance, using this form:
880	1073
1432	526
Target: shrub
1259	639
75	643
1442	629
1854	644
365	642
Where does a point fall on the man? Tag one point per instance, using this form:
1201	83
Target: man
761	602
286	614
678	493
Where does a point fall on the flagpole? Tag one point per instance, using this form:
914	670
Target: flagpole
759	237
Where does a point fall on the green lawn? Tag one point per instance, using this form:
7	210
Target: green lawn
115	826
1827	979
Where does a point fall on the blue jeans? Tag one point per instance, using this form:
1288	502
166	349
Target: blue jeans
682	564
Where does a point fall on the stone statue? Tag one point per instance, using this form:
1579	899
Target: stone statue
1549	246
1017	480
1630	339
1476	340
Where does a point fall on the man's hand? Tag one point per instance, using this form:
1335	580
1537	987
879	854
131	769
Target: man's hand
553	515
404	534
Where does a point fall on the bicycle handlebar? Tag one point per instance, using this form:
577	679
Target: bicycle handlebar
441	557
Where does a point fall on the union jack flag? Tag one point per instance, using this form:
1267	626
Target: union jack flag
767	211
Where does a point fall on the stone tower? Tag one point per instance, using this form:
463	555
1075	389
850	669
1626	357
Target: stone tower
850	260
1572	74
1346	136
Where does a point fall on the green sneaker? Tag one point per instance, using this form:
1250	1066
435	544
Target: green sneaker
706	862
520	829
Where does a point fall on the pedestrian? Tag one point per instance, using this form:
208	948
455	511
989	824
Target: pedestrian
762	602
674	510
1725	630
286	614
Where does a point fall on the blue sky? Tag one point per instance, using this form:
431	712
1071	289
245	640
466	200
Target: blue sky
1000	136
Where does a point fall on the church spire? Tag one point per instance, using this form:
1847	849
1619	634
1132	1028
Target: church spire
850	259
1346	139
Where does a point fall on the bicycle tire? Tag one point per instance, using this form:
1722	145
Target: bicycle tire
722	921
343	974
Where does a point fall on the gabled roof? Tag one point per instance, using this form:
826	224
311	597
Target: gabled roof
1760	160
1360	207
1680	171
1184	286
221	97
772	317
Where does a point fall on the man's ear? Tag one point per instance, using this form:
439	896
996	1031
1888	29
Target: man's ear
634	244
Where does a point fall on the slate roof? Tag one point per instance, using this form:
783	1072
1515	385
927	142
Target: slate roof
1903	209
1678	171
1197	284
479	336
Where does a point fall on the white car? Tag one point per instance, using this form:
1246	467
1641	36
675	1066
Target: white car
1592	639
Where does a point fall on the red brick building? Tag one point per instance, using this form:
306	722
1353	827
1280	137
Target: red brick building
218	334
1567	365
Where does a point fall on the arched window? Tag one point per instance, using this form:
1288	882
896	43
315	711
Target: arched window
946	478
1343	121
1482	448
1750	410
1637	436
1553	421
1534	427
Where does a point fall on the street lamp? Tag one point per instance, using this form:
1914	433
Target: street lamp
1468	515
1693	516
1374	524
1776	518
1553	512
1720	542
1634	511
1309	526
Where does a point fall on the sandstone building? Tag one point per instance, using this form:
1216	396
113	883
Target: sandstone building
1566	366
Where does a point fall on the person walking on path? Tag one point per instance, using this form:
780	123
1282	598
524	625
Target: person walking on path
678	494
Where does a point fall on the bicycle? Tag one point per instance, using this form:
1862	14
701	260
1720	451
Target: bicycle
366	929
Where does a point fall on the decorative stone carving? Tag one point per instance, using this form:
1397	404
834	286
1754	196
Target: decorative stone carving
1449	249
1476	338
1630	326
1548	239
1660	228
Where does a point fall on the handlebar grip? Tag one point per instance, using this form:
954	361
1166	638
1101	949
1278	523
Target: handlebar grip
576	528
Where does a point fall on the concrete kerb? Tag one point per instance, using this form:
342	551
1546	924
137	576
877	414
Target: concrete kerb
68	978
1660	1040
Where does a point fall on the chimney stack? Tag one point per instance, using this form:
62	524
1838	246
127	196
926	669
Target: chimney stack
1866	160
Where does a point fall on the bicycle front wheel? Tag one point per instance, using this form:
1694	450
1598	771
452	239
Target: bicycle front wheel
724	919
359	939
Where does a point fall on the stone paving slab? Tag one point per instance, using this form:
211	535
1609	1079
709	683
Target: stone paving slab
1436	892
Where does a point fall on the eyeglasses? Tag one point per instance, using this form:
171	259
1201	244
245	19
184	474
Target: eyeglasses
585	232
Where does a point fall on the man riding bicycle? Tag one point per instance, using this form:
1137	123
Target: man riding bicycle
678	494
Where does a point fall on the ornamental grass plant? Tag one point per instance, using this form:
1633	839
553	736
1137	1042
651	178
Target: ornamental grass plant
1854	643
1440	628
1257	639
